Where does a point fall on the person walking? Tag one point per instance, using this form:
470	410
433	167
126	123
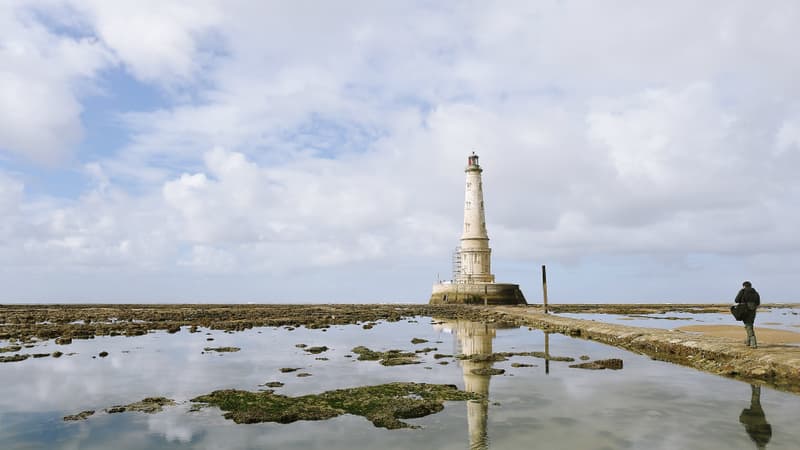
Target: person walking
749	297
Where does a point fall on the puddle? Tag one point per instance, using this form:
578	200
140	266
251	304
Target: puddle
637	403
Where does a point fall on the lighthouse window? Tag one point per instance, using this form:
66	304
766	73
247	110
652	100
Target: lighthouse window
469	204
466	226
469	185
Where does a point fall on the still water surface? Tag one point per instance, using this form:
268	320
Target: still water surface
646	405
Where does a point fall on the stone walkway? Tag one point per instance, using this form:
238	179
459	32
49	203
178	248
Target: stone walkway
773	364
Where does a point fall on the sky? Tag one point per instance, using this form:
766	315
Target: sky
307	151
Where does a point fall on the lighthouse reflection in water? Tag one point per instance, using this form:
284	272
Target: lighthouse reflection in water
471	339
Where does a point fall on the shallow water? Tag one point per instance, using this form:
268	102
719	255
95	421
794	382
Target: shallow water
776	318
648	404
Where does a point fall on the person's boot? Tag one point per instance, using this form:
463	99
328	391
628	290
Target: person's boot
751	335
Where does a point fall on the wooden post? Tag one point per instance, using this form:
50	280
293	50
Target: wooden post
544	287
546	352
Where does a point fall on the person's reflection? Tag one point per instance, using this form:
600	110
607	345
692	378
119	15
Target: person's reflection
754	421
474	338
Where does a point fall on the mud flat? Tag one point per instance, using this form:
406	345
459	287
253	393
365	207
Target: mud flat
776	364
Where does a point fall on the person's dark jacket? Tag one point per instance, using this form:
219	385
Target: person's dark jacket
750	296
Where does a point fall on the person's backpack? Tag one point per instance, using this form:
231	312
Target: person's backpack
752	299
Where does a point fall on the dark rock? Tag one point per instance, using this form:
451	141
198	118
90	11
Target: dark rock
426	350
14	358
80	416
516	364
488	371
600	364
222	349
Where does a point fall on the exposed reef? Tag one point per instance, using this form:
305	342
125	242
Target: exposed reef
64	323
387	358
383	405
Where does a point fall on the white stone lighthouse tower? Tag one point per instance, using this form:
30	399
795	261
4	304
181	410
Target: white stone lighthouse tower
474	253
473	281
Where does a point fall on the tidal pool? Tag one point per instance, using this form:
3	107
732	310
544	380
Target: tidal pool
535	403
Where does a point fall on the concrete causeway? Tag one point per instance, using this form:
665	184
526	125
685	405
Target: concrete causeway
776	365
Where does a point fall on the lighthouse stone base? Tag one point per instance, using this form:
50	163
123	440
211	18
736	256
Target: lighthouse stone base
477	294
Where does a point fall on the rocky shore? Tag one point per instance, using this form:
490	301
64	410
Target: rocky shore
775	364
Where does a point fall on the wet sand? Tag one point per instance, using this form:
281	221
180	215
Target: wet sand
765	336
774	364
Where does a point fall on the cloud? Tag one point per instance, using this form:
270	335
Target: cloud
41	76
159	42
298	140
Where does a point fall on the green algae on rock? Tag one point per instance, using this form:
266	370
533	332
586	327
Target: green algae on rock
387	358
516	364
14	358
79	416
222	349
484	371
149	405
383	405
600	364
317	350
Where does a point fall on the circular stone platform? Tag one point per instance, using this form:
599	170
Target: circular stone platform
477	294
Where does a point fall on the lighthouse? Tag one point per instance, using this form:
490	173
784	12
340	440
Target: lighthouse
473	281
474	252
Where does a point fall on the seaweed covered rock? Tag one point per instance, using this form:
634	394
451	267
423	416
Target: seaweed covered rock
148	405
14	358
222	349
383	405
83	415
387	358
487	371
600	364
